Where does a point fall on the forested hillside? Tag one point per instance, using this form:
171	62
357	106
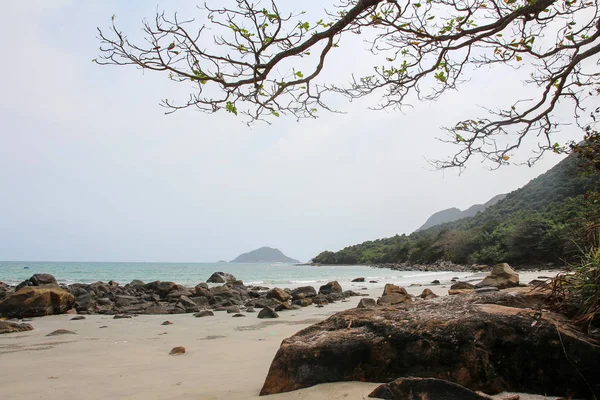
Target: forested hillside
539	223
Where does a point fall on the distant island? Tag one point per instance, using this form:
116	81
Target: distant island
264	254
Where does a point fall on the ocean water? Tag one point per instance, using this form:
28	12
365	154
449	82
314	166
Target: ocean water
190	274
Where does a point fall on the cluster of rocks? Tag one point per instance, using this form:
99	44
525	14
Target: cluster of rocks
41	295
437	266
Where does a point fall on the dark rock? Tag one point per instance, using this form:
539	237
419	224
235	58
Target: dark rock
502	277
136	283
372	281
462	285
122	316
278	294
78	318
238	315
61	332
175	295
177	351
320	300
37	301
361	279
167	323
267	312
11	327
486	289
428	294
37	280
221	277
157	309
424	388
233	310
161	288
331	287
283	307
537	282
202	290
435	282
303	292
302	302
204	313
483	347
250	310
366	303
188	304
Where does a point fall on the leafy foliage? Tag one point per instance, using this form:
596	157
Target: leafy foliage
542	222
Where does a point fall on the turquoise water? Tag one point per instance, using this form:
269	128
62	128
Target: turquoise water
190	274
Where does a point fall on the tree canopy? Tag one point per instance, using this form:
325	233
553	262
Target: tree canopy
238	60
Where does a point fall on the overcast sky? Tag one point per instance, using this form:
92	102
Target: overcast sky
92	170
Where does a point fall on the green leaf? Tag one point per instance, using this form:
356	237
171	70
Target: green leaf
275	113
231	108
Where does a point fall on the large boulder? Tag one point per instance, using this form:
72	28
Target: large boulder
278	294
38	280
37	301
303	292
392	295
502	277
424	388
331	288
221	277
483	347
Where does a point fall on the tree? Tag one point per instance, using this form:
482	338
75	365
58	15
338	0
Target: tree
427	47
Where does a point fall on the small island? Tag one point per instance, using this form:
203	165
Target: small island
264	254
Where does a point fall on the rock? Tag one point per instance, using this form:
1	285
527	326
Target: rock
278	294
372	281
366	303
320	300
38	280
502	277
204	313
233	310
202	290
486	289
61	332
37	301
188	304
136	283
78	318
453	292
424	388
361	279
302	302
167	323
238	315
435	282
283	307
122	316
161	288
267	312
303	292
11	327
331	287
483	347
428	294
462	285
177	351
392	295
250	310
537	282
221	277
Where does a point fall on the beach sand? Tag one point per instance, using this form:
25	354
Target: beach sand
226	357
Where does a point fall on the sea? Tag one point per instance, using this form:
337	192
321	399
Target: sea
190	274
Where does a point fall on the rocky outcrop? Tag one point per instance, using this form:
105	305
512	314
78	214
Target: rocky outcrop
393	294
462	339
424	388
38	280
37	301
221	277
502	277
11	327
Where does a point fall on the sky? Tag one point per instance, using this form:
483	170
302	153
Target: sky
91	169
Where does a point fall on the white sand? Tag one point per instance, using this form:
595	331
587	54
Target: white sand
226	357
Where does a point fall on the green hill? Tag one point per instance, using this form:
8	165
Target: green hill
539	223
454	214
264	254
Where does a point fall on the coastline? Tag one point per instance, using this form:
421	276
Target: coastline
225	357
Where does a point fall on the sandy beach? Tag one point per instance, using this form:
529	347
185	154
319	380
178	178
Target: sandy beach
226	357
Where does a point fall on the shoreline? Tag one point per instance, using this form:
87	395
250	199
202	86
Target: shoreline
129	358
